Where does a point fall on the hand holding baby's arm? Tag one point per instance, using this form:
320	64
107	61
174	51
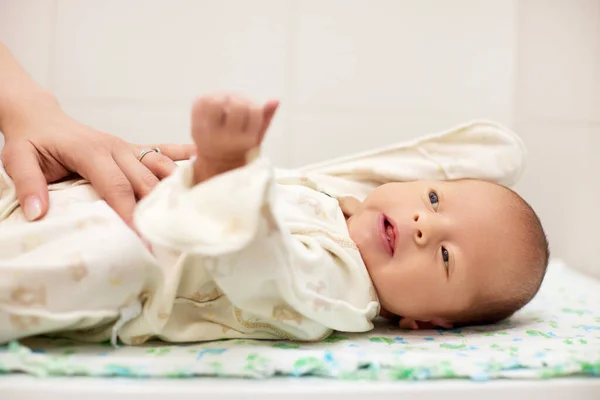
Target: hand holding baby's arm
225	129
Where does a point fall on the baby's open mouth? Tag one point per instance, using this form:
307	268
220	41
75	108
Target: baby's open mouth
388	232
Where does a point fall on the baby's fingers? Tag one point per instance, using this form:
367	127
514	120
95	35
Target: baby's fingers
255	122
269	110
207	114
236	115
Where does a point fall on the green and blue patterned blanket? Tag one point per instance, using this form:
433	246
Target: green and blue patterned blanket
558	334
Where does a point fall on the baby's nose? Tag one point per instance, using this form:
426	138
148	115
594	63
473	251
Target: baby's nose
421	231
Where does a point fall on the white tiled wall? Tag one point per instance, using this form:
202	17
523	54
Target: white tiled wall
558	115
374	72
351	74
26	27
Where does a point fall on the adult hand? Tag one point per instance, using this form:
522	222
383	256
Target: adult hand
47	146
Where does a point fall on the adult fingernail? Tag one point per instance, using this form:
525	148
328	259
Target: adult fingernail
33	208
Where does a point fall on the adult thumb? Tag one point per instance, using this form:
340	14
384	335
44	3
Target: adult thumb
22	165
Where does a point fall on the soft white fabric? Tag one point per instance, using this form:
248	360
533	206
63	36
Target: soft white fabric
255	252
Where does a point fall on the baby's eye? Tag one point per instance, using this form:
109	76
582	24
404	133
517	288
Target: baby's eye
445	257
433	198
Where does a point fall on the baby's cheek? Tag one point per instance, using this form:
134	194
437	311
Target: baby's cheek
390	289
406	284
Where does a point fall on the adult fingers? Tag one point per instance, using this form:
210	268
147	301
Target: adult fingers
160	165
175	152
141	179
112	185
22	165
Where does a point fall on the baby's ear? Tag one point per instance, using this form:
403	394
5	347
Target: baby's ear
409	323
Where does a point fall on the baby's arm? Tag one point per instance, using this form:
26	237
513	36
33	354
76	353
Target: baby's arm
232	226
477	150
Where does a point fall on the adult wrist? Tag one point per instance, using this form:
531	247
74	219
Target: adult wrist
20	109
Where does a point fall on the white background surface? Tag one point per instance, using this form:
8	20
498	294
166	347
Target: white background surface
26	388
350	75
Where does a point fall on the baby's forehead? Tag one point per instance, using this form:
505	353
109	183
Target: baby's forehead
483	208
476	190
484	223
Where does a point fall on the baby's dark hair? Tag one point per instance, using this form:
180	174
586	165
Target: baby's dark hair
533	257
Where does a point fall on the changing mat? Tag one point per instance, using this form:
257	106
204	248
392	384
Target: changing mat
557	334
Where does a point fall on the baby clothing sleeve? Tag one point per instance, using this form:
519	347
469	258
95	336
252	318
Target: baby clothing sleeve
272	260
476	150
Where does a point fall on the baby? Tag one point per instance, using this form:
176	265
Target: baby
238	249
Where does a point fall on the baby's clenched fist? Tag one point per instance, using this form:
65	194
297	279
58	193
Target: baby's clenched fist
226	127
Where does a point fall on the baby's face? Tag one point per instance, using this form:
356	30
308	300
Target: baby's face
432	248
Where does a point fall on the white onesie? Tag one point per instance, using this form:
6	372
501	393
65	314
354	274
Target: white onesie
255	253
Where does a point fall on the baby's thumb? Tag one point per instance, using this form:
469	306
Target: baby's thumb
269	110
21	164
